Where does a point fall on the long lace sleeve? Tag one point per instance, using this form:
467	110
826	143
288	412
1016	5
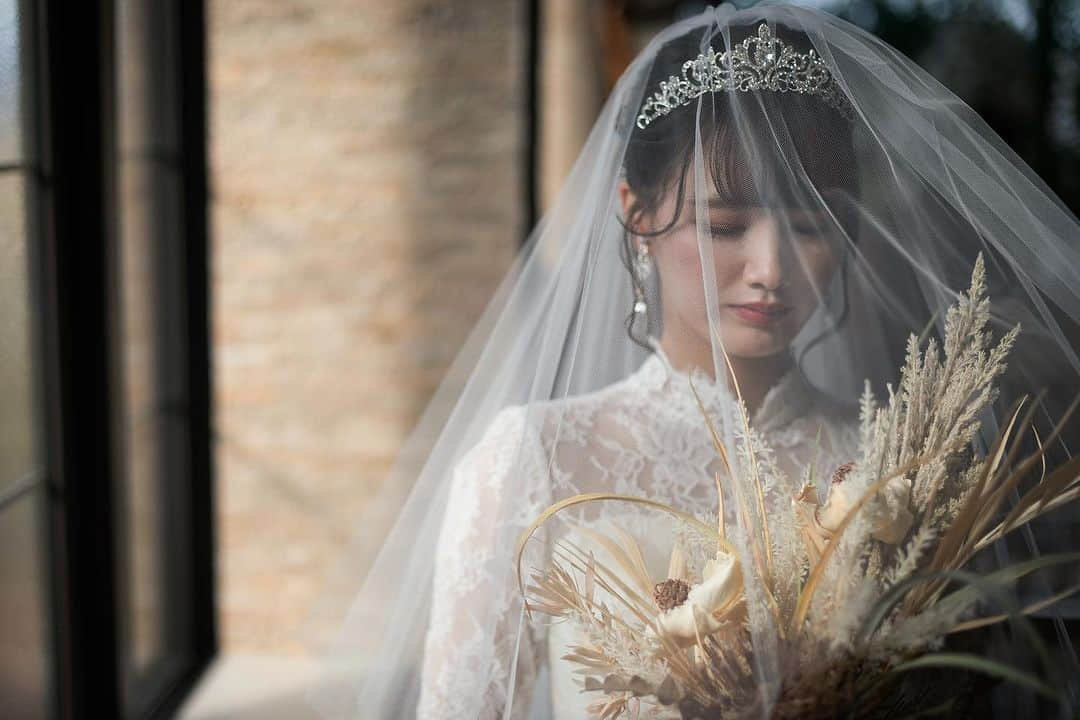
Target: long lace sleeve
497	490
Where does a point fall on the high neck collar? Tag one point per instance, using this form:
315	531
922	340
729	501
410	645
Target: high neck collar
789	397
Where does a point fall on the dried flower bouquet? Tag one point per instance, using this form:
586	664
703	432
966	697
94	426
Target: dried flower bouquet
848	595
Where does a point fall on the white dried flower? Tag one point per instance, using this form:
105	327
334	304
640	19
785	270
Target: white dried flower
707	604
890	512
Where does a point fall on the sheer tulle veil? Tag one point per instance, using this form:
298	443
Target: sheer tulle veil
863	188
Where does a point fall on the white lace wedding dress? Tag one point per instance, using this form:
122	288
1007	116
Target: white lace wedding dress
641	436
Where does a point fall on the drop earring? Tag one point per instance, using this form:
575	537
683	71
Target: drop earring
642	271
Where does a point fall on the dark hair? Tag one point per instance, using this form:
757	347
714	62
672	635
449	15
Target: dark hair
740	132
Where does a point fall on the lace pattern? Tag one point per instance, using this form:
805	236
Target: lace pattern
641	436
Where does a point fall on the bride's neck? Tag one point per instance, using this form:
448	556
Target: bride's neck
755	376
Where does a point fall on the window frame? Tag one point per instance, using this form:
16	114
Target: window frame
70	127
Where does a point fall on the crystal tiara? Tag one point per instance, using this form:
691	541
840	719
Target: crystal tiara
760	62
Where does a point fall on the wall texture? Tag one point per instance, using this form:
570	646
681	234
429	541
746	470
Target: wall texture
367	197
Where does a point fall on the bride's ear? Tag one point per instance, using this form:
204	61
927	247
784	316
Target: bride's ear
626	200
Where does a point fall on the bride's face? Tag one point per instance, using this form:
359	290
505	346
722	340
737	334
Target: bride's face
772	266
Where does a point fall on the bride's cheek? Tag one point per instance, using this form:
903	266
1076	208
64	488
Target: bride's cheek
819	263
687	261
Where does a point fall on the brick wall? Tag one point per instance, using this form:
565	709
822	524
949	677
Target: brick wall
367	197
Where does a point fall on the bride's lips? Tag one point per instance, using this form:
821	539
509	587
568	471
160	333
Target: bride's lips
761	314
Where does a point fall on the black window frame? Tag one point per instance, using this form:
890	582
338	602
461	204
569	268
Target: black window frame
70	133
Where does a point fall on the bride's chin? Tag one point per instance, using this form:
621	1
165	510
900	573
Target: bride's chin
754	342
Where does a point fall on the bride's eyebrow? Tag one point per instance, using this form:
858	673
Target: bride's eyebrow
716	203
738	206
742	206
808	214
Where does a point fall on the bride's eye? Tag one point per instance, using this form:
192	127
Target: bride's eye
727	230
809	230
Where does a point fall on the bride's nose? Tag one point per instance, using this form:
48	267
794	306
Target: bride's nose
765	261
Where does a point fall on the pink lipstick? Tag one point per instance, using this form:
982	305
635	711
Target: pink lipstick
761	314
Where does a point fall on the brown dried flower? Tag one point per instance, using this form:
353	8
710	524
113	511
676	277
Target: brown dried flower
670	594
842	472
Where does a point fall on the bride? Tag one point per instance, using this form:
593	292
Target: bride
769	203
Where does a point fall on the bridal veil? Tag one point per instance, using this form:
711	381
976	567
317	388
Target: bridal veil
874	189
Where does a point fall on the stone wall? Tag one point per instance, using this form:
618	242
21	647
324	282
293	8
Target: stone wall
366	199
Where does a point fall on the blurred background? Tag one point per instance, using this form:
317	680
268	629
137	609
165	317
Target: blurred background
241	241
